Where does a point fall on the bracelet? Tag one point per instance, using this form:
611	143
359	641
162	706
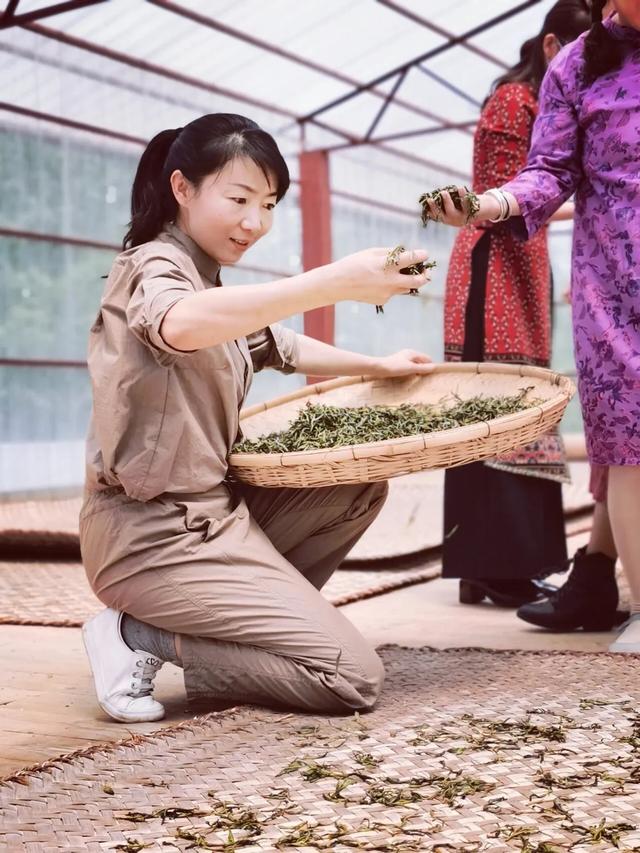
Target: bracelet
503	201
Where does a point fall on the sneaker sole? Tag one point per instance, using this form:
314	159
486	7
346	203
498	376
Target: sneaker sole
108	709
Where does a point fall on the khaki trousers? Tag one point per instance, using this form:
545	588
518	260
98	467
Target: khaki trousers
237	574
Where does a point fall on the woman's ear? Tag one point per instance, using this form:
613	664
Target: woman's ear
550	46
181	187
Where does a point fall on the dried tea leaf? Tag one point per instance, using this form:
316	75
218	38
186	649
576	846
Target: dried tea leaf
470	203
321	427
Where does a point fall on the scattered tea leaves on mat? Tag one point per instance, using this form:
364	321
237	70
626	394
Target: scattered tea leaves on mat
138	817
291	767
341	785
390	796
132	846
174	813
320	427
198	841
587	704
456	785
602	831
301	835
278	794
522	835
471	202
366	759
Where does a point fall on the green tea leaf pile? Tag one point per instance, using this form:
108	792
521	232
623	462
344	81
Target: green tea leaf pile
321	427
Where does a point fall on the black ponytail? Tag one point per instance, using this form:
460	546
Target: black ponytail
152	201
566	19
201	148
602	52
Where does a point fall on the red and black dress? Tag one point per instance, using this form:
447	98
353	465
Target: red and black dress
503	519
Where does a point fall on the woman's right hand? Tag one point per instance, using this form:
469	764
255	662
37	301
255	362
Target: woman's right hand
450	215
368	276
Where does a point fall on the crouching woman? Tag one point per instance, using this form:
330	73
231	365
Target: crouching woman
221	579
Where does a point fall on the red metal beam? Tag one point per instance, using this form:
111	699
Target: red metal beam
101	131
82	242
10	9
405	134
76	125
436	51
159	70
116	56
276	50
447	34
12	20
379	205
390	97
315	206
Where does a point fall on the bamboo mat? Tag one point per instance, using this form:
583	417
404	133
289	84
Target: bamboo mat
57	593
468	750
410	521
40	529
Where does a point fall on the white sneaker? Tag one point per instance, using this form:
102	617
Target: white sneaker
123	678
628	640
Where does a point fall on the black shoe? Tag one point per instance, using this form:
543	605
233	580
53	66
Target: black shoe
504	593
588	599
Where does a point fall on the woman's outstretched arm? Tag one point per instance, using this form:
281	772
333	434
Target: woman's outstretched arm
316	358
220	314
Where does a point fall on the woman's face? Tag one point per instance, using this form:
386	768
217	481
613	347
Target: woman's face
628	12
230	210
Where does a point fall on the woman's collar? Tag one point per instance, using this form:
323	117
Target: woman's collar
618	31
206	265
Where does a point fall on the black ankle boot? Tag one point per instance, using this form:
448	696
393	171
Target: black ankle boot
588	599
504	593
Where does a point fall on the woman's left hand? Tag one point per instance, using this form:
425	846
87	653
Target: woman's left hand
404	363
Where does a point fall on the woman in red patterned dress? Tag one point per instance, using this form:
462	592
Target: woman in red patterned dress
503	519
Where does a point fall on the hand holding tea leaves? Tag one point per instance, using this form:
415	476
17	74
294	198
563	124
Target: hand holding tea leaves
393	260
451	205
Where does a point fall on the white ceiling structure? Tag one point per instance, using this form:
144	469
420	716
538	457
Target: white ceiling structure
408	76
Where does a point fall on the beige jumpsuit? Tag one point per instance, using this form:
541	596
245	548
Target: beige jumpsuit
235	570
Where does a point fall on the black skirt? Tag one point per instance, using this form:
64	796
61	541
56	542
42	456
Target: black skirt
497	525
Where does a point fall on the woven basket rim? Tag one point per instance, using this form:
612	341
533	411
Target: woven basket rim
411	443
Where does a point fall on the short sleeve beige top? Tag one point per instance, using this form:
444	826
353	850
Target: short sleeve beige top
165	420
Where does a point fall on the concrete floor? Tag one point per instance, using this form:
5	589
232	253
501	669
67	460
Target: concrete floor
47	705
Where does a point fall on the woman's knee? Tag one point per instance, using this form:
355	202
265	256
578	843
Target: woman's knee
377	493
366	677
368	501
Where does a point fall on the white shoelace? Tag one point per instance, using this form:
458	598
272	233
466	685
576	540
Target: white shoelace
143	675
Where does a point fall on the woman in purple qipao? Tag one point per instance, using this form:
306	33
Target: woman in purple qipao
586	141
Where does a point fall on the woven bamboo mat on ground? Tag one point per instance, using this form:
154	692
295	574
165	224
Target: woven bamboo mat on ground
31	529
410	522
468	750
57	593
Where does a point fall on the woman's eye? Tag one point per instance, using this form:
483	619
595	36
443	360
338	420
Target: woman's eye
239	200
270	206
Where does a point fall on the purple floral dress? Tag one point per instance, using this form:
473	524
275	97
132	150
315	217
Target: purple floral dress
586	140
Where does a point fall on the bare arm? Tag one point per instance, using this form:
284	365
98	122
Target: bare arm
564	213
221	314
490	209
320	359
